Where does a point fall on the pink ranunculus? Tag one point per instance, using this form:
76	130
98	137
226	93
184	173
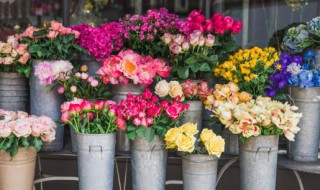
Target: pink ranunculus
121	123
52	34
228	22
210	40
164	104
65	117
147	94
237	26
22	128
55	25
175	48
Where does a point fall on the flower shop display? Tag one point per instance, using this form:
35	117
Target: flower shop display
304	90
44	97
95	126
21	136
259	123
200	164
146	120
227	93
14	68
249	69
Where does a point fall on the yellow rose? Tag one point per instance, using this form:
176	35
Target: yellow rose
171	136
175	90
206	135
162	88
189	128
245	96
215	146
185	143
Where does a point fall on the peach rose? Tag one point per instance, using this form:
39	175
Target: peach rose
55	25
8	60
245	96
52	34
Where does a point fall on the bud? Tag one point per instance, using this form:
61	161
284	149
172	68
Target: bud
73	89
84	68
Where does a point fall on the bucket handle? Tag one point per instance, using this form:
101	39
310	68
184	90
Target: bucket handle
96	148
263	149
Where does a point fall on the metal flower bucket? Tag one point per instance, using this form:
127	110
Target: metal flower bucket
13	92
96	154
193	115
46	103
120	93
74	142
306	145
258	163
148	163
199	172
93	65
232	142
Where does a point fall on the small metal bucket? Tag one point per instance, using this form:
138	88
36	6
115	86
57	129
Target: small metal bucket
13	92
148	163
199	172
96	154
48	104
231	142
305	148
193	115
120	93
93	65
258	163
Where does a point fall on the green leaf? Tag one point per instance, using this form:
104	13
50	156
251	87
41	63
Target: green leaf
131	128
213	59
204	67
164	120
150	132
195	67
191	60
183	72
141	131
25	143
36	143
131	135
40	33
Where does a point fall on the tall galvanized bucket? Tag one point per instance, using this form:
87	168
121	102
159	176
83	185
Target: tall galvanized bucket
199	172
231	142
96	154
120	93
18	173
93	65
148	163
43	102
306	145
13	92
258	163
193	115
74	142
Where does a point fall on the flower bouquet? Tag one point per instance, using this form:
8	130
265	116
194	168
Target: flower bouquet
249	69
205	156
95	127
21	136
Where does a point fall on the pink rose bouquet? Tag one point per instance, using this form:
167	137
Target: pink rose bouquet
129	66
14	57
90	117
19	129
146	116
54	43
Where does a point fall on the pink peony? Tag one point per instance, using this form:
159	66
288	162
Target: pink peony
44	72
86	106
121	123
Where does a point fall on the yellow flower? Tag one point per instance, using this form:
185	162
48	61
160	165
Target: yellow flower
268	63
189	128
253	63
278	66
206	135
246	78
185	143
215	146
171	136
252	76
245	96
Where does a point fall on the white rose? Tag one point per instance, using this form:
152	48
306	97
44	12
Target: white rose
162	89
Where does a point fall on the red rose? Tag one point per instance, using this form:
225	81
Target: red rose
237	26
228	22
172	112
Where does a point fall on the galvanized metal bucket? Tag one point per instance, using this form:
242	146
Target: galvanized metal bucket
148	163
14	92
231	142
46	103
258	163
96	154
120	93
74	142
93	65
305	148
199	172
193	115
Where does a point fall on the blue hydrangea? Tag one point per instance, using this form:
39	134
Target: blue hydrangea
313	26
293	80
305	78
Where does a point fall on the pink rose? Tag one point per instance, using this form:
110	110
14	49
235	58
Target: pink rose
196	16
164	104
189	89
65	31
55	25
185	46
22	128
76	34
24	58
14	53
217	16
237	26
195	37
5	130
154	111
210	40
29	32
52	34
149	121
172	112
22	49
22	114
121	123
147	94
8	61
136	121
208	26
178	39
48	134
228	22
37	129
175	48
166	38
6	48
202	40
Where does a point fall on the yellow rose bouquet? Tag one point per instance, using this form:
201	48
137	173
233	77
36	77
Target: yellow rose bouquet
183	139
250	69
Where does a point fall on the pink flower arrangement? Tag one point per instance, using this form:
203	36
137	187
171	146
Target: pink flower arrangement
14	57
27	130
47	72
128	65
139	114
90	117
218	24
